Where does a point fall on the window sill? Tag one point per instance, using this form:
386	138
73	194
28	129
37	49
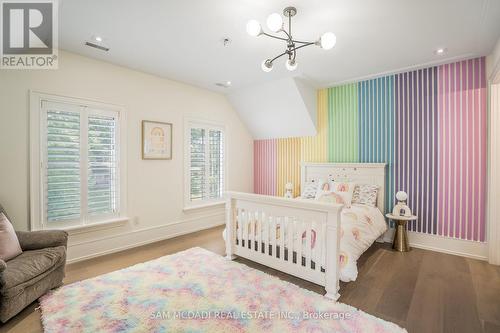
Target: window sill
204	205
108	224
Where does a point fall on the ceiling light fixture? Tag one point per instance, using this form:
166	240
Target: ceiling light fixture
98	39
275	23
440	51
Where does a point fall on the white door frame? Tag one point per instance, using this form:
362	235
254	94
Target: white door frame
493	170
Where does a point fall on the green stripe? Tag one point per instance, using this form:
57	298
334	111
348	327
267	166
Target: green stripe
343	123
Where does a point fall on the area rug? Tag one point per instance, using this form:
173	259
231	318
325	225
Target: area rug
197	291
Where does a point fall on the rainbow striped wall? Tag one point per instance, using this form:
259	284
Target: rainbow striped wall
428	125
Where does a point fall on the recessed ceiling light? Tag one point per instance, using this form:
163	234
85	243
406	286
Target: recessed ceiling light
440	51
228	83
98	39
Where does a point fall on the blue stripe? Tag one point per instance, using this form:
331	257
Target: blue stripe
376	127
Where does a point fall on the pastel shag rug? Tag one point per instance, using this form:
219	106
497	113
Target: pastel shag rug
197	291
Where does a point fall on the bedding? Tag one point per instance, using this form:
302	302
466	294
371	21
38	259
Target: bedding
361	225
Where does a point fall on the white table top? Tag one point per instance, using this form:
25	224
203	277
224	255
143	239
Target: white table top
400	218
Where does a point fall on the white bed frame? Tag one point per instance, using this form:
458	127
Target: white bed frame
251	221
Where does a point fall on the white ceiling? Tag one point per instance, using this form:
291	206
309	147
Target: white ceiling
182	40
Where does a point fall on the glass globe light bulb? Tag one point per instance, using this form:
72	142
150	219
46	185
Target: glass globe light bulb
291	64
401	196
253	28
328	40
267	66
274	22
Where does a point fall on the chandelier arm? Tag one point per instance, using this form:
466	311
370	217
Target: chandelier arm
302	42
275	37
278	56
301	46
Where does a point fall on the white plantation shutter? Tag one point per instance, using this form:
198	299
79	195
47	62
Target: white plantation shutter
62	167
79	164
198	164
102	165
216	163
206	163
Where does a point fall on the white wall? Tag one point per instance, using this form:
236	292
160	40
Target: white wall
278	109
493	63
155	188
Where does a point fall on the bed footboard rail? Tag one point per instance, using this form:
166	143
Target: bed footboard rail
298	237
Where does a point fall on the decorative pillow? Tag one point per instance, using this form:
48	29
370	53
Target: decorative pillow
9	244
342	192
342	187
309	190
365	194
334	197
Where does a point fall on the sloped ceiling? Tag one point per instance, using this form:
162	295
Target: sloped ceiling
277	109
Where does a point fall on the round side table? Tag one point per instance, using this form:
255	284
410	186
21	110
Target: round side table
400	242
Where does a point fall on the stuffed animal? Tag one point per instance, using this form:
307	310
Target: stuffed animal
289	190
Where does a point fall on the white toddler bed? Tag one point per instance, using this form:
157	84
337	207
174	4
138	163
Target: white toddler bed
305	238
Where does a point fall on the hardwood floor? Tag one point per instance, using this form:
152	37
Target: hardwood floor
422	291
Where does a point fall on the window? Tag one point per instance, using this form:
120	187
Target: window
205	169
79	159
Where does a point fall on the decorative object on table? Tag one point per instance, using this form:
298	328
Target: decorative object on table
156	140
400	242
401	209
275	23
289	190
135	299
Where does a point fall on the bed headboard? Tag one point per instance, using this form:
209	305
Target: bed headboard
361	173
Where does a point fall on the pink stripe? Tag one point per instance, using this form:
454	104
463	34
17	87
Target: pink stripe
439	139
463	149
462	142
470	149
477	150
265	167
483	148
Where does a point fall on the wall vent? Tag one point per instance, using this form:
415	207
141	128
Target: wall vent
96	46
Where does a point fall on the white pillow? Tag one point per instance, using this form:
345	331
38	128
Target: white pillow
309	190
365	194
9	244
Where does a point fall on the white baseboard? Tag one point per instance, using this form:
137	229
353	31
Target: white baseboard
92	248
459	247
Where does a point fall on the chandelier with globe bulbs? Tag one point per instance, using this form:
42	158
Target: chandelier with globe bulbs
275	23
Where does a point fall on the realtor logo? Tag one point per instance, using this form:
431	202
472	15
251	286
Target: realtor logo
29	34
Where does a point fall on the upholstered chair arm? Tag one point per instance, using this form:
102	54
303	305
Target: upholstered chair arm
34	240
3	266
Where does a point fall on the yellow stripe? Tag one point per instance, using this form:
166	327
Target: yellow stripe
289	164
315	148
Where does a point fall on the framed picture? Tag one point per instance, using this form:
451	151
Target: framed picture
156	140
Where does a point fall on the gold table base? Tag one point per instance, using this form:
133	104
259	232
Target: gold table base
400	242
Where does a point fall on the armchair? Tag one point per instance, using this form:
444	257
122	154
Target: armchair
31	274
